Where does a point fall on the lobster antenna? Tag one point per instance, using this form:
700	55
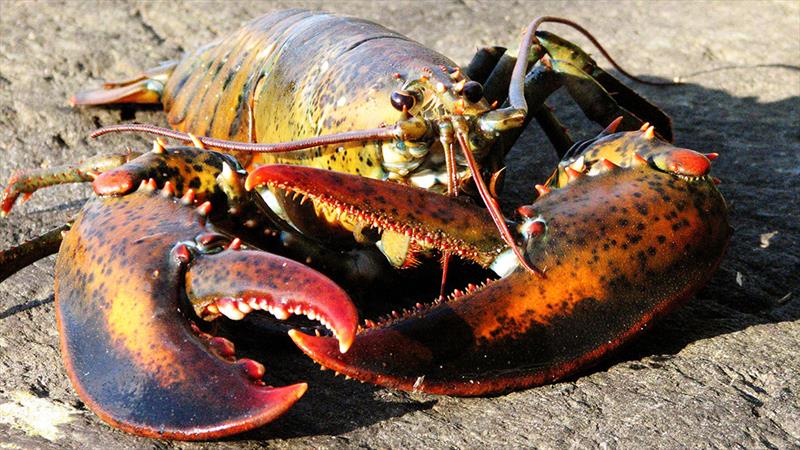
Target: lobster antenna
382	134
516	93
491	204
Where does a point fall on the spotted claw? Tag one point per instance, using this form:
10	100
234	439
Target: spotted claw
622	241
129	344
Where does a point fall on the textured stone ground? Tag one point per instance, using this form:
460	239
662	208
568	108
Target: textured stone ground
720	372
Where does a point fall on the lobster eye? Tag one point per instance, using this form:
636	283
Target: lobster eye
403	99
473	91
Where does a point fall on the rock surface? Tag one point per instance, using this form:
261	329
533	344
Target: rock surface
721	371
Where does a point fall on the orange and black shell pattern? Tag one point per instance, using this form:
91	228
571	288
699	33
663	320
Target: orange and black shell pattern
297	74
139	267
619	246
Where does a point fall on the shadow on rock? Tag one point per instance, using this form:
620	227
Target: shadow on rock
332	405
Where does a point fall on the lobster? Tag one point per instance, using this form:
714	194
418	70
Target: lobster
626	228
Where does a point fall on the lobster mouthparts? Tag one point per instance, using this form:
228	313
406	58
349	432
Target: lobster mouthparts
620	246
123	277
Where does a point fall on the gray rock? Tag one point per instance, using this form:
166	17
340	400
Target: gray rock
721	371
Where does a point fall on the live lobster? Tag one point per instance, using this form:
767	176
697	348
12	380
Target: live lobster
626	228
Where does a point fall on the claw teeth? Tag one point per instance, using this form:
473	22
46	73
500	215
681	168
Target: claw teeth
158	147
244	307
649	133
182	254
188	197
228	308
148	185
229	175
612	127
578	165
253	369
608	164
196	142
222	347
204	209
645	126
542	189
235	244
280	312
238	308
168	190
572	174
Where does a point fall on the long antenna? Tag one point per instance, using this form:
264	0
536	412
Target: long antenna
375	134
491	204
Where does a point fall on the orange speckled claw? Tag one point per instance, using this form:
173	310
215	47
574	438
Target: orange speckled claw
608	241
130	346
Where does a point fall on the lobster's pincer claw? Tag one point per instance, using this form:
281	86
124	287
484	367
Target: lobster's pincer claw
622	245
129	344
293	289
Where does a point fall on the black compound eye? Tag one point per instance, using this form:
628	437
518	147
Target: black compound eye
473	91
403	99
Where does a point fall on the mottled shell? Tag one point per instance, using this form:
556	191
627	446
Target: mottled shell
297	74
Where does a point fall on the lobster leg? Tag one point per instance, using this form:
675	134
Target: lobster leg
483	63
555	63
27	253
495	87
146	87
27	182
540	83
602	97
